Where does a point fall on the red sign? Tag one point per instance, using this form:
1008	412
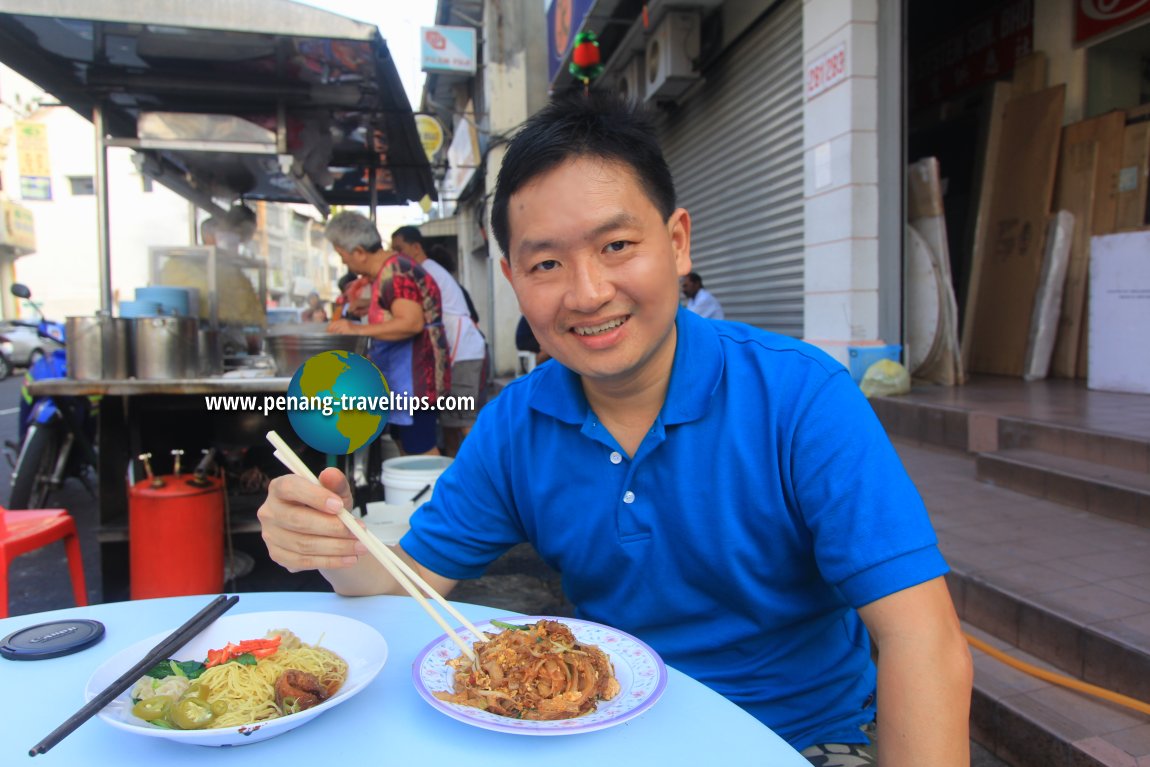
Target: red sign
1093	18
983	50
827	70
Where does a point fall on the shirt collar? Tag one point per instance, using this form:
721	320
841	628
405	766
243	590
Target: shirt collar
695	375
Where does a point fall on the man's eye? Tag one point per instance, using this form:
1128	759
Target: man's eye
545	266
617	247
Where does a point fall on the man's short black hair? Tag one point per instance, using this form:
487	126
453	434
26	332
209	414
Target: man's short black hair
695	278
601	125
409	234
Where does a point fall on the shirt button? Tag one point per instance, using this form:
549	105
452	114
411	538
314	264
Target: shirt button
628	497
616	458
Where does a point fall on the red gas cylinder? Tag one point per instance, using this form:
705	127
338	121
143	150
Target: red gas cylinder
176	536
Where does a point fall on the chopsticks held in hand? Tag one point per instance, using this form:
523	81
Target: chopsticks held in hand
407	578
162	651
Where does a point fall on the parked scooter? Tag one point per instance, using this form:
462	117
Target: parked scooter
5	358
57	434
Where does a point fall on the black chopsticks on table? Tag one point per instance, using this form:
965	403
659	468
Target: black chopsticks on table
163	650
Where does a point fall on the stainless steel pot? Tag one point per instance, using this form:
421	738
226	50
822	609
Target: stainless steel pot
97	348
211	358
165	347
290	351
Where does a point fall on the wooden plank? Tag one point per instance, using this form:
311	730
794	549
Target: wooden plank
1077	168
998	101
1029	74
1138	113
1131	212
1108	131
1023	184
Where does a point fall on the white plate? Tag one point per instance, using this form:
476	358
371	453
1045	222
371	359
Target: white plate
638	669
357	643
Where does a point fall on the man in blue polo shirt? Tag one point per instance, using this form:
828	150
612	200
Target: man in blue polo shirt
723	493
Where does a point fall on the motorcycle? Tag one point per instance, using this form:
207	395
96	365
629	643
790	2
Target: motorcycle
57	434
6	350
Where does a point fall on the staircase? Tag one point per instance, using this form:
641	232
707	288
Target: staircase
1041	498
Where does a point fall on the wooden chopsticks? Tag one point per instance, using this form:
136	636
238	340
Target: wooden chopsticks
165	649
407	577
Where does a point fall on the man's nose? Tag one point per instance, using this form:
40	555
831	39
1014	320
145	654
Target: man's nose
590	287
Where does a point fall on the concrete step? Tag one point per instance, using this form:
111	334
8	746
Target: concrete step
1027	722
1062	585
1100	488
1072	632
932	424
1114	450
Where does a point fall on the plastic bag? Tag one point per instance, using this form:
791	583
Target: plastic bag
885	378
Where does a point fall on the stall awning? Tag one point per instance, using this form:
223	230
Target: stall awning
264	99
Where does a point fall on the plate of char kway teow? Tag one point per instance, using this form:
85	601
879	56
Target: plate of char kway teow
244	679
538	675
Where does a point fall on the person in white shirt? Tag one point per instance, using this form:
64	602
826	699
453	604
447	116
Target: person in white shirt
700	301
466	347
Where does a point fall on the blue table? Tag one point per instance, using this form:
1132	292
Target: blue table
388	723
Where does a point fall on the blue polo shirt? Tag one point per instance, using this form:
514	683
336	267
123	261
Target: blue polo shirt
765	503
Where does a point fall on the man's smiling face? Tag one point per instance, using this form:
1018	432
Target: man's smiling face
596	268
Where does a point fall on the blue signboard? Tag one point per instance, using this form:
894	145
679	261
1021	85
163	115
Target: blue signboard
448	49
564	20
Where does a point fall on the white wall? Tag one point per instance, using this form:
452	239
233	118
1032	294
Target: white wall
840	149
1054	35
512	95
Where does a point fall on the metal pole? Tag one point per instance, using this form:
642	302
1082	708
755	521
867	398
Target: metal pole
101	182
373	191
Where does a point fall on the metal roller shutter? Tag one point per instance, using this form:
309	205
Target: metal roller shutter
736	152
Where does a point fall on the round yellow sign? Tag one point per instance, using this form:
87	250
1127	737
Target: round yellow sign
430	134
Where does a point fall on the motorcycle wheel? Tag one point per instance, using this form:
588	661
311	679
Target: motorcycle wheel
30	486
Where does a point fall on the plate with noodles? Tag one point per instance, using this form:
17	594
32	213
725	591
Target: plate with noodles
541	675
244	679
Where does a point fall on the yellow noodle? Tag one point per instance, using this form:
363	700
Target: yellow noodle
249	690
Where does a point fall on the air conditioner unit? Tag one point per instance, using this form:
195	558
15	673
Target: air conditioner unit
671	53
629	81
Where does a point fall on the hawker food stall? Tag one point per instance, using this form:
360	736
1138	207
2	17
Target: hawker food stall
222	102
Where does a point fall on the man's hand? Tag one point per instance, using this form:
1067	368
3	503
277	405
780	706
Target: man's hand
300	526
303	532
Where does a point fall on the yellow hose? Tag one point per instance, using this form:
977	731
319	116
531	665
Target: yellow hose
1059	679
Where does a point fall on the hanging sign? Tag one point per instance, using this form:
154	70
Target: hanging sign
1094	18
32	161
447	49
430	135
564	20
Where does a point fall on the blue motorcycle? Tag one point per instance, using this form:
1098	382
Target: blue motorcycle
57	434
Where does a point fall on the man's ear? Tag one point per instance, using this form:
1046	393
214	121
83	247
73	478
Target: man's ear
679	229
505	264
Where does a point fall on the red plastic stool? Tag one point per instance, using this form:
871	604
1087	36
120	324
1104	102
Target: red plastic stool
24	531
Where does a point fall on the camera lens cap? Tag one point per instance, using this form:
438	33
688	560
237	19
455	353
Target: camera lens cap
51	640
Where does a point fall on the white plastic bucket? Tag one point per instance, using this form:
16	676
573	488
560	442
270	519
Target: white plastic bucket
388	521
405	477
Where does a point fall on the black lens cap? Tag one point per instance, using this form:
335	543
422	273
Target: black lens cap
51	640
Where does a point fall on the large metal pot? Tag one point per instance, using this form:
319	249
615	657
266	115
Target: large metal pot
291	350
97	348
165	347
